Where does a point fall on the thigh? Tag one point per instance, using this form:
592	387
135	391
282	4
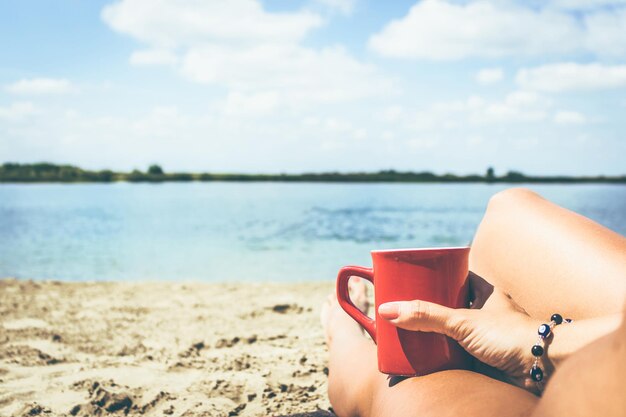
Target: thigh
357	388
548	258
451	393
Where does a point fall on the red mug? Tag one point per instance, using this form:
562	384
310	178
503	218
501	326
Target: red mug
437	275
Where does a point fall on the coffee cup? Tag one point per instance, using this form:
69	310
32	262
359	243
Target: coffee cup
438	275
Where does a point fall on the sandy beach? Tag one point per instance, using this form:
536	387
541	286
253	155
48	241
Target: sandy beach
162	349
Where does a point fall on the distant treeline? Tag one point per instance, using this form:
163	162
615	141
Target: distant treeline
46	172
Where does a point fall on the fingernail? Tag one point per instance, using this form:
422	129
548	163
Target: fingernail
389	311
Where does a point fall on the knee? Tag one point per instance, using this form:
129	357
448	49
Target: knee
511	197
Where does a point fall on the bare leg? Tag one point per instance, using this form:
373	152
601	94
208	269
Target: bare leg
352	355
549	259
356	388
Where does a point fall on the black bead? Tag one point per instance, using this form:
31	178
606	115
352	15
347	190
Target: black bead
536	373
544	330
557	318
537	350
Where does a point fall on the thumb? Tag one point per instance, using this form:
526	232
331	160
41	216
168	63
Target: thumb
420	316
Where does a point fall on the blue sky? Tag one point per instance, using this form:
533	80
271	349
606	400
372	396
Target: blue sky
316	85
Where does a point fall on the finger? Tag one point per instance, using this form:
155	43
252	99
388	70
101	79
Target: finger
421	316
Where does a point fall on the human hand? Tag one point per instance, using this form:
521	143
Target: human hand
495	330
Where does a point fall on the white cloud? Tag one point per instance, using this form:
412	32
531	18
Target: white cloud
387	135
333	124
359	133
585	4
240	46
515	107
392	114
311	121
569	118
343	6
341	130
572	77
161	122
606	33
17	111
257	104
169	23
300	74
439	30
474	140
518	106
435	29
422	143
153	57
489	75
34	86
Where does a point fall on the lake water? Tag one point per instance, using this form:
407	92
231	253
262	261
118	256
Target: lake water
220	231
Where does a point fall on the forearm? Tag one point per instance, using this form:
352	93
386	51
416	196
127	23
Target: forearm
592	382
569	338
564	341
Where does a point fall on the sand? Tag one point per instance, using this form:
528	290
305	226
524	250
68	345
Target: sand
162	349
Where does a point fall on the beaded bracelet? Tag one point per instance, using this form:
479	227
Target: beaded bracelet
544	331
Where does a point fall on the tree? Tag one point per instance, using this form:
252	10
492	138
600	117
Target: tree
490	176
515	176
155	170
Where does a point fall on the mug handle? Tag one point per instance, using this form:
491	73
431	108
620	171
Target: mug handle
343	296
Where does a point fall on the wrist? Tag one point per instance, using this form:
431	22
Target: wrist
543	363
529	341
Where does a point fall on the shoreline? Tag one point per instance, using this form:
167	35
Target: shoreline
594	181
50	172
162	348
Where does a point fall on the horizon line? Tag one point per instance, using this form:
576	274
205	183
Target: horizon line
321	172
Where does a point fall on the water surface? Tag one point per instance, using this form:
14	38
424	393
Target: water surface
221	231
